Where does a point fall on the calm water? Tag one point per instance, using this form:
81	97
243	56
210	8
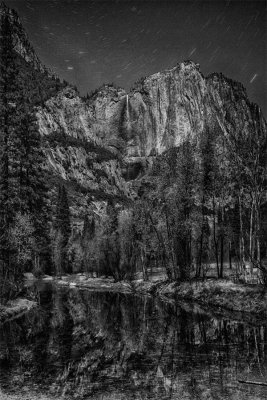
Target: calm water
87	345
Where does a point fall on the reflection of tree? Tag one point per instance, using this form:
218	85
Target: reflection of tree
115	346
63	326
24	343
8	351
41	337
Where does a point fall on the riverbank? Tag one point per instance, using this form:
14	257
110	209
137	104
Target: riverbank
220	294
25	396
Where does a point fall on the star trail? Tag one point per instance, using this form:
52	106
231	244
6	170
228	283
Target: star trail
90	43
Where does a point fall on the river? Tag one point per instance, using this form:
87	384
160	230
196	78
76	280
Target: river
81	344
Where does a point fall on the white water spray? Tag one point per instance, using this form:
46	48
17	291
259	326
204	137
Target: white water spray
127	114
127	108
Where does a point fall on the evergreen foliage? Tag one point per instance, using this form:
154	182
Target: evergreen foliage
8	124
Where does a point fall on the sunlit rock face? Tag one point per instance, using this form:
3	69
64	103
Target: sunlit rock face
160	112
172	106
227	104
165	109
65	114
106	107
76	150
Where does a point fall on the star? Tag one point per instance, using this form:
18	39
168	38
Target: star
253	78
192	52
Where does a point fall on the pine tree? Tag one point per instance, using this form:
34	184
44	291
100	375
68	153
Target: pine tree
63	213
33	190
187	185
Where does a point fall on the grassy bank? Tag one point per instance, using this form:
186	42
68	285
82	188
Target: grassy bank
24	396
220	294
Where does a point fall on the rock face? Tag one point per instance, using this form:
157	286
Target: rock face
170	107
165	109
66	113
160	112
75	151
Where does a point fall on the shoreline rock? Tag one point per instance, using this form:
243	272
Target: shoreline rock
15	308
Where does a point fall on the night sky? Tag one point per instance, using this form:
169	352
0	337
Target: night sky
89	43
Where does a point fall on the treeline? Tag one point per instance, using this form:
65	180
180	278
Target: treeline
206	203
100	154
203	203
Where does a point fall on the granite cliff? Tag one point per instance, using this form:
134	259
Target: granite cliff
161	112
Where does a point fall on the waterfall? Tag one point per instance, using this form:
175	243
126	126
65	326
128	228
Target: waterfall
127	108
127	114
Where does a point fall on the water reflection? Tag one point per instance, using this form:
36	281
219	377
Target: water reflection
87	345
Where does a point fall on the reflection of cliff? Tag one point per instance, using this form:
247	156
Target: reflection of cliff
104	346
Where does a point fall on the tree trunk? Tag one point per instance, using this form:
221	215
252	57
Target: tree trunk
170	240
251	255
214	238
222	244
258	235
161	243
241	240
199	261
230	254
222	250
